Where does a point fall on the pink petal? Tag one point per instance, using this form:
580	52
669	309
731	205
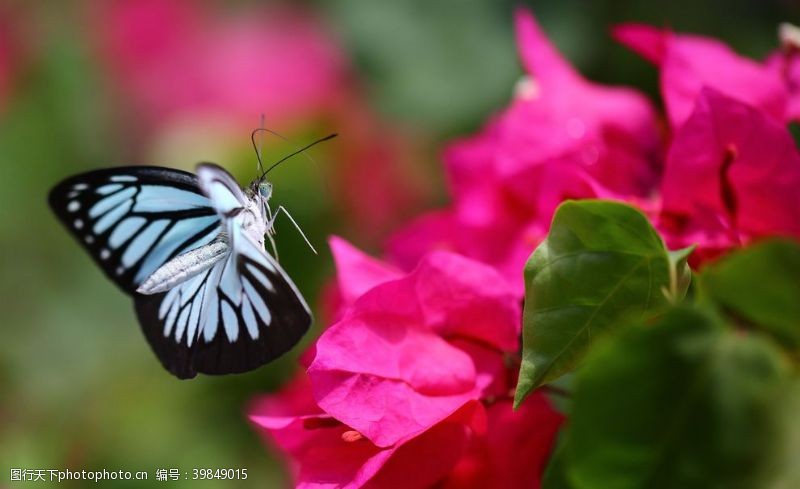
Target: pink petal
688	63
520	441
648	42
461	297
357	272
785	63
430	456
515	450
437	230
324	453
385	369
388	377
732	171
540	58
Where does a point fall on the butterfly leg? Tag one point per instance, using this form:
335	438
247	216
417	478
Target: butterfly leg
297	226
270	234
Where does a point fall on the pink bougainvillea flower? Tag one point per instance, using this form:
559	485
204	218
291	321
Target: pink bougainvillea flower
407	380
174	57
410	352
786	64
563	137
689	62
732	174
325	453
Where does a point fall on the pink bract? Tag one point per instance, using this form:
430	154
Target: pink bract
690	62
732	175
391	367
785	63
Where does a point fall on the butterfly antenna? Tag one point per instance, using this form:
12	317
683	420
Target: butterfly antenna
258	148
301	150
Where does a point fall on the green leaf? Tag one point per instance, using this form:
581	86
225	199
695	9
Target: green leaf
601	261
786	466
760	284
680	274
684	402
555	475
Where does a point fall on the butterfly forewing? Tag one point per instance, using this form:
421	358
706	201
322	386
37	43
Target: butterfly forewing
132	220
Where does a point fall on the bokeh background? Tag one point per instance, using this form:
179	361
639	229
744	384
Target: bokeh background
89	84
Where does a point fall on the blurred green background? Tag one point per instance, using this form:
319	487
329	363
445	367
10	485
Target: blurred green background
80	388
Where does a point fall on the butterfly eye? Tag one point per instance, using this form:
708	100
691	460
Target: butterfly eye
265	190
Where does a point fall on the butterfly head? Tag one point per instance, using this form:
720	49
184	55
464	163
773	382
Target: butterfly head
265	190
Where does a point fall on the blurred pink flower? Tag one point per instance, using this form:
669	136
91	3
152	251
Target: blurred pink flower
785	62
563	137
10	50
732	175
689	62
178	56
408	379
379	178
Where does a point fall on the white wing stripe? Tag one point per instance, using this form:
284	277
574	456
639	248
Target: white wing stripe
109	188
143	242
120	178
111	217
111	201
156	198
182	319
192	285
125	230
257	301
167	302
173	314
211	323
249	319
230	322
260	277
194	318
230	283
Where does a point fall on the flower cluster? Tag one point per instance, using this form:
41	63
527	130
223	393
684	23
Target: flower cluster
410	384
703	181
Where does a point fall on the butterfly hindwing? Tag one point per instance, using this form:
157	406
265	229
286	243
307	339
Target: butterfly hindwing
240	314
132	220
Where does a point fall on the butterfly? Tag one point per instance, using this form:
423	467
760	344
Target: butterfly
189	249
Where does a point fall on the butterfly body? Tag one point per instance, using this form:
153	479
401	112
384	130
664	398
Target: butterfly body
190	251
